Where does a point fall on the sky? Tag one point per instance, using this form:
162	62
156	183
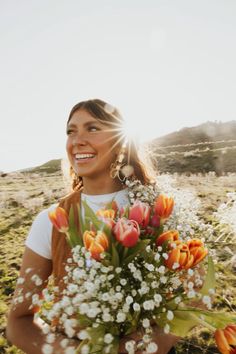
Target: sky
166	64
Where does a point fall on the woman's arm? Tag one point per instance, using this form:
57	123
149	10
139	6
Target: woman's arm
22	329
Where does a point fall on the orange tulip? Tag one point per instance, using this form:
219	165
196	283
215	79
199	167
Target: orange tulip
197	249
60	219
95	243
180	256
226	339
107	216
106	213
170	236
163	206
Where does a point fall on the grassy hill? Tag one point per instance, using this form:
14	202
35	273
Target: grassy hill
52	166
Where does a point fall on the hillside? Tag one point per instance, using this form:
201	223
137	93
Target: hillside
207	147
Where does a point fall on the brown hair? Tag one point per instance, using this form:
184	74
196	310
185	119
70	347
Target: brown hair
110	115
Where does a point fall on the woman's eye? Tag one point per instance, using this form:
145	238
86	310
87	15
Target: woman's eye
69	131
93	128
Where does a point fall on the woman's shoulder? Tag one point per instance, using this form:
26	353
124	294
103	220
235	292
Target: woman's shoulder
39	236
43	214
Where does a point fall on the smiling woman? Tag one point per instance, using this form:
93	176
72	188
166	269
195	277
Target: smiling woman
103	165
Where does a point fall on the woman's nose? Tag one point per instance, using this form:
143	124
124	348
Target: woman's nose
79	139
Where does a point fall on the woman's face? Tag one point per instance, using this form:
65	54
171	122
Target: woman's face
90	146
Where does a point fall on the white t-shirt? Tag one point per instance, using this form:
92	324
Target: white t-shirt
40	234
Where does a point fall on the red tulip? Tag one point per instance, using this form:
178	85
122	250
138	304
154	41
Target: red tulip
95	243
197	249
163	206
170	236
140	212
155	220
226	339
60	219
127	232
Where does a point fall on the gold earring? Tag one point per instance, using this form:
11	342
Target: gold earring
119	169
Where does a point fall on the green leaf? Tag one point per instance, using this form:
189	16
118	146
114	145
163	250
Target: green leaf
210	281
90	216
81	222
83	320
114	348
74	238
187	318
115	260
134	251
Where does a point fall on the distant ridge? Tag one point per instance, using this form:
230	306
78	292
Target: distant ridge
210	146
209	131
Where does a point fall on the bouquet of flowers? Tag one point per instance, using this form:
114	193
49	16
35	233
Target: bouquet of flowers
127	272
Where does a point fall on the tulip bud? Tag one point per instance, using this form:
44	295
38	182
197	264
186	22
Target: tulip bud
168	236
197	249
163	206
127	232
140	212
59	219
95	243
226	339
155	220
107	216
106	213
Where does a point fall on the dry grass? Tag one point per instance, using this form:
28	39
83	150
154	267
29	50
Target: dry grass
23	196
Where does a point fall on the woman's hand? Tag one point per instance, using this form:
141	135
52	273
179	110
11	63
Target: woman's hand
164	341
22	328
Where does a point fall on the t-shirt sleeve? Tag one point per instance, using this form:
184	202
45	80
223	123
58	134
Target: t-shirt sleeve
40	235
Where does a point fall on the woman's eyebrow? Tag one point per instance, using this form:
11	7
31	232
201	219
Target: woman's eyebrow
72	125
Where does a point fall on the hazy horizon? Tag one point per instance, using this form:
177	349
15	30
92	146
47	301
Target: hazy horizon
165	64
65	157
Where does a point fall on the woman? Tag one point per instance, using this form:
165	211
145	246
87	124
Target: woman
99	166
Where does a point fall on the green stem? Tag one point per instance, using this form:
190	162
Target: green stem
205	324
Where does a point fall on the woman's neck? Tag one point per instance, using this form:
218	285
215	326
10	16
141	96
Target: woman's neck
94	187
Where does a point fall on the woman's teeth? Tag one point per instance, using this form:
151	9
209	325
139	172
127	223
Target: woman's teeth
83	156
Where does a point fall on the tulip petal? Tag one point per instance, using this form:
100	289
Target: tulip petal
59	219
221	342
173	257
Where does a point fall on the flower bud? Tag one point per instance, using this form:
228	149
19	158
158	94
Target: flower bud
197	249
95	243
163	206
127	232
168	236
59	219
140	212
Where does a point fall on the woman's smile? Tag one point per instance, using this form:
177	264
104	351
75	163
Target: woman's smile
84	158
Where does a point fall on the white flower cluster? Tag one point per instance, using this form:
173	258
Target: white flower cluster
144	193
111	297
226	213
186	208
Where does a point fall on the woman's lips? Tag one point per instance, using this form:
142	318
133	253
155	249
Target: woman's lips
83	158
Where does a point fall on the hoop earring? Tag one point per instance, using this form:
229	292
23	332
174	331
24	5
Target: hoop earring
119	169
